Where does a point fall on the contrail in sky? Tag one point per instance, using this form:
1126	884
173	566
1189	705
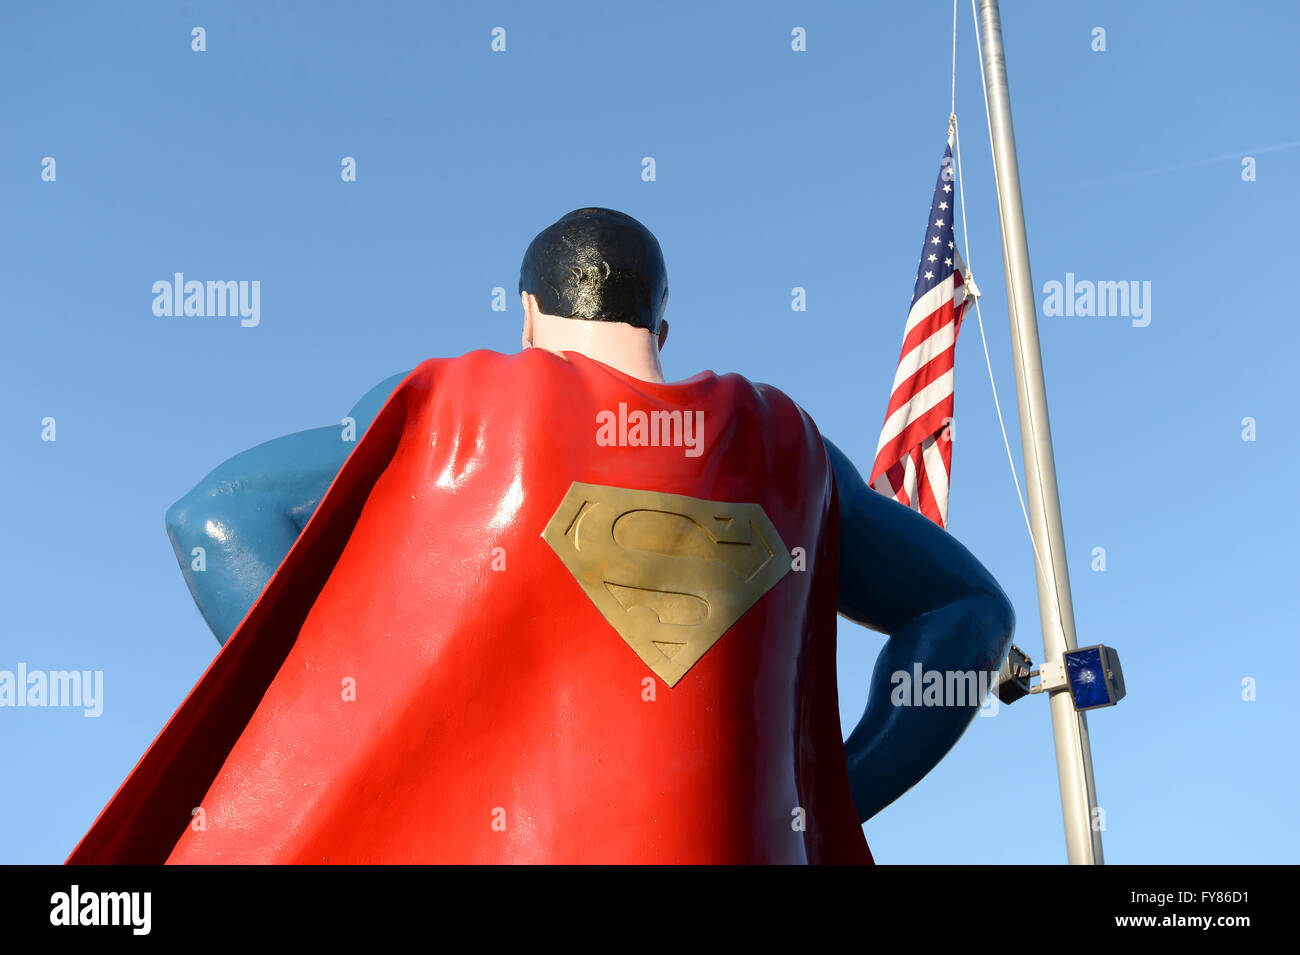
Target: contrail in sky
1191	163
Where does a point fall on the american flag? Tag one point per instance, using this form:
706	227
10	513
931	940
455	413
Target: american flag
914	455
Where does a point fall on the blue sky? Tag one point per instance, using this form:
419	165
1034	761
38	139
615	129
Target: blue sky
774	169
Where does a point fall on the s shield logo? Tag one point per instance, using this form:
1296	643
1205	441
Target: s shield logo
670	573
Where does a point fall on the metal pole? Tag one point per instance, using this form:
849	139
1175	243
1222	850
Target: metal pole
1069	728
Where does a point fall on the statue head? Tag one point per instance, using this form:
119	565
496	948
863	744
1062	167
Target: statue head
597	265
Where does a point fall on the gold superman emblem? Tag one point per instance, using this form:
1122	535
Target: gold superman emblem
670	573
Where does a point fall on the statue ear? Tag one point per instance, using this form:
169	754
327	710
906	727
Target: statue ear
527	337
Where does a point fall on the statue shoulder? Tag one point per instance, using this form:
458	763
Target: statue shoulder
364	411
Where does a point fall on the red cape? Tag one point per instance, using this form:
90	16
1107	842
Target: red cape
425	678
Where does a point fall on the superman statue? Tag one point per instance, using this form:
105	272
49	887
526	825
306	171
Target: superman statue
549	608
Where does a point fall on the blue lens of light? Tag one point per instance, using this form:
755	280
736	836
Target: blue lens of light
1087	676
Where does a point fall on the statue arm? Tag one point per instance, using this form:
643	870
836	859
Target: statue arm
904	576
247	513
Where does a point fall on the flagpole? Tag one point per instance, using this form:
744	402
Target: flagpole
1056	611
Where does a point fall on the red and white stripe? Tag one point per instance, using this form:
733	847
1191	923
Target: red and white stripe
914	454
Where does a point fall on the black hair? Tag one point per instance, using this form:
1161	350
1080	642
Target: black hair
600	266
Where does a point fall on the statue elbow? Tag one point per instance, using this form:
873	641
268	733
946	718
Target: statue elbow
177	518
186	520
193	521
998	619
